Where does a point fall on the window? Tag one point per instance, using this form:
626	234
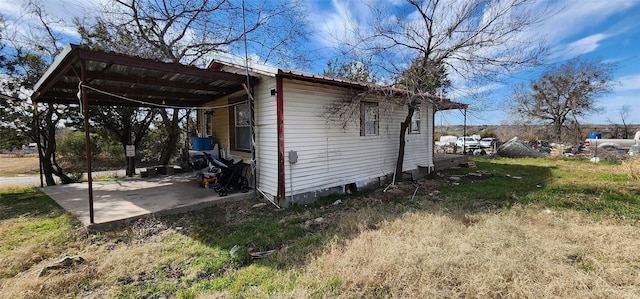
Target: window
241	136
369	119
415	122
208	121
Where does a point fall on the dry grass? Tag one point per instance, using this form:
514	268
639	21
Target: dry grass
110	263
374	246
631	167
13	166
517	254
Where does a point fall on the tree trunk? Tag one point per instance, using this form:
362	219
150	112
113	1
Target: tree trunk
131	162
47	169
403	133
172	126
557	126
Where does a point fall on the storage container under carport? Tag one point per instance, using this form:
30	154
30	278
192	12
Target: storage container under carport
201	143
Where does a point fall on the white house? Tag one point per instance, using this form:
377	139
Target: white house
301	150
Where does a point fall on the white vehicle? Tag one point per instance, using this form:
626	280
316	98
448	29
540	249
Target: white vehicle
612	144
488	142
446	141
468	143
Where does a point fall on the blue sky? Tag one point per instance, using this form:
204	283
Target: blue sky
609	29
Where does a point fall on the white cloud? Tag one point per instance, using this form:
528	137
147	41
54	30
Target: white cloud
58	13
629	83
573	16
586	45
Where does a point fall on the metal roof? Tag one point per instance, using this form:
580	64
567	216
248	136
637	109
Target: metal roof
112	79
440	103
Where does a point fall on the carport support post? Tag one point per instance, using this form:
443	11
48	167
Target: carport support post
464	133
87	146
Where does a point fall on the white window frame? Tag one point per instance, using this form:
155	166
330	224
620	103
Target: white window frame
414	128
369	119
243	123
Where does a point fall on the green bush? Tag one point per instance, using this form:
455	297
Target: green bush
71	145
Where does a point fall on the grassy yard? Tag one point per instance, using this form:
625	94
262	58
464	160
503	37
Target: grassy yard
536	228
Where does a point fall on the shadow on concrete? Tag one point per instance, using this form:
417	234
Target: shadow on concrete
119	201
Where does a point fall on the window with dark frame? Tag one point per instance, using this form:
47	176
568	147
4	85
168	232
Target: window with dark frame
241	124
415	122
369	119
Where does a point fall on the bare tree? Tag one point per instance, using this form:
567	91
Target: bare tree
624	112
27	57
565	92
191	32
473	41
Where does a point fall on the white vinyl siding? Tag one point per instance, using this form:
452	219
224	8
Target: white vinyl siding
266	133
331	155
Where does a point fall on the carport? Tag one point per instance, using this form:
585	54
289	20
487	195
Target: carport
89	78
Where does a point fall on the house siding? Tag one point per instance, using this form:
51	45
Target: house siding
331	156
219	123
266	133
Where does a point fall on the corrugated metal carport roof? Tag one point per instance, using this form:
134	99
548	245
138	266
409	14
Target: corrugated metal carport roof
147	81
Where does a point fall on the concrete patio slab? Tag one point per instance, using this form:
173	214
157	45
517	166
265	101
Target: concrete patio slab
122	200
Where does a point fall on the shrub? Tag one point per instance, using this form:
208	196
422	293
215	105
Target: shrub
71	145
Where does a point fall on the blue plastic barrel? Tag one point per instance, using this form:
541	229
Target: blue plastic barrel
201	143
595	136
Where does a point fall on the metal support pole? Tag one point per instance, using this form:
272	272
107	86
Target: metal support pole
87	140
36	128
464	134
254	174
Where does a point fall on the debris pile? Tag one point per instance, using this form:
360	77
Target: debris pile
515	148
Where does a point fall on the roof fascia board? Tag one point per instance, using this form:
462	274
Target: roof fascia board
141	63
241	63
65	56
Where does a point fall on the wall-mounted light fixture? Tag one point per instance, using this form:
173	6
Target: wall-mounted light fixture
273	91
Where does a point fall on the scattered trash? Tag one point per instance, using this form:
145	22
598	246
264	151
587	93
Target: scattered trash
337	202
515	148
66	262
538	186
595	159
392	186
469	164
234	250
414	193
179	228
261	254
546	211
516	177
